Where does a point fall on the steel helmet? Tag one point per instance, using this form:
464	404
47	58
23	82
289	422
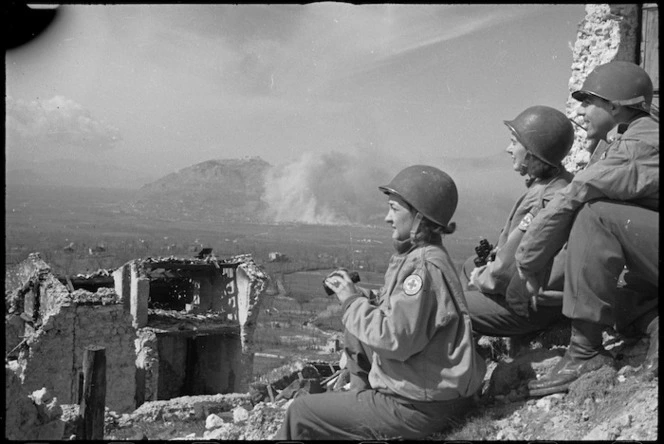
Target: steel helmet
623	83
545	132
428	190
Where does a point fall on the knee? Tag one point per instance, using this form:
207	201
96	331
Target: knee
297	405
587	219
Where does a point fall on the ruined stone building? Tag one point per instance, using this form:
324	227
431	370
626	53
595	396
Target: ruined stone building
170	327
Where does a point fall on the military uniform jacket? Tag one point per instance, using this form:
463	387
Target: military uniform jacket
420	332
495	277
626	169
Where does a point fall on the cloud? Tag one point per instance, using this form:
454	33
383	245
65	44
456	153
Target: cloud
43	126
403	29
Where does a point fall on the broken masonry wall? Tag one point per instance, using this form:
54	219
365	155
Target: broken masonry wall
29	415
147	366
14	331
55	351
608	32
250	291
108	326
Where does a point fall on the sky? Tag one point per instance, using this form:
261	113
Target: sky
158	88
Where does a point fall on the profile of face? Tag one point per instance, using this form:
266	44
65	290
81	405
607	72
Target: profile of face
598	116
519	155
399	217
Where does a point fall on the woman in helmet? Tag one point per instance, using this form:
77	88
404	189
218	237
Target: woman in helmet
411	354
497	300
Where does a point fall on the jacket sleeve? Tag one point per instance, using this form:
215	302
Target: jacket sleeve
618	176
402	327
496	275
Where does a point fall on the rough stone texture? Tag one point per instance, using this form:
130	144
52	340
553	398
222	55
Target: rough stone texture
608	32
511	375
147	363
187	408
28	415
14	331
47	362
49	326
249	307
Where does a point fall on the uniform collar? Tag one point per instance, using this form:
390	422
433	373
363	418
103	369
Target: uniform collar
620	129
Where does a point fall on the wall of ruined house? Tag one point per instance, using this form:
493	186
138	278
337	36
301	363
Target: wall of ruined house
608	32
55	353
14	331
250	292
147	366
30	415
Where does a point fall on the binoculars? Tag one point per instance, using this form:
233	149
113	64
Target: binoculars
354	276
483	251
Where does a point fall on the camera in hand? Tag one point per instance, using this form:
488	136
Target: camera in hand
484	254
354	276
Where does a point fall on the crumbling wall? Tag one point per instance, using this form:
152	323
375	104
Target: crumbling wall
28	416
108	326
55	352
250	293
57	327
608	32
147	366
202	338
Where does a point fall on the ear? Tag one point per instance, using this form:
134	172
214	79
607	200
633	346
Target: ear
614	108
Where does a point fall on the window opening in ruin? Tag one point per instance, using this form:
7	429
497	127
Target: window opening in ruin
171	293
32	302
91	284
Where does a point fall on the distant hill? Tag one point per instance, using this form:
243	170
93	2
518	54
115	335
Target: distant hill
234	190
215	190
75	173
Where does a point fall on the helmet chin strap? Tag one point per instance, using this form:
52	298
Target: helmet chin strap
415	226
523	166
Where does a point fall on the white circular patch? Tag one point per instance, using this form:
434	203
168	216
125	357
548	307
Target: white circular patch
412	284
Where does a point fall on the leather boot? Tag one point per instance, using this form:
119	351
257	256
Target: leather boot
584	354
651	363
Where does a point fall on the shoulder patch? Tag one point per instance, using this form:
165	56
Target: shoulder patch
412	284
527	219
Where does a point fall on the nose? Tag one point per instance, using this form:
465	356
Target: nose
509	148
388	218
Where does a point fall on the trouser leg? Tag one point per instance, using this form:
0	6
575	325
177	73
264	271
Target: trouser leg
605	237
366	414
359	361
492	316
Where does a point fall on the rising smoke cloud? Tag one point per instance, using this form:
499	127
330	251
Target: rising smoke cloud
327	189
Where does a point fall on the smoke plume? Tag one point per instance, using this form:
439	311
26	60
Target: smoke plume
329	189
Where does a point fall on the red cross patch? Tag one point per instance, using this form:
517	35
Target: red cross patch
412	284
527	219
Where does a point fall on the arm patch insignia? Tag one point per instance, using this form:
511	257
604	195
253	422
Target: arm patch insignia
527	219
412	284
